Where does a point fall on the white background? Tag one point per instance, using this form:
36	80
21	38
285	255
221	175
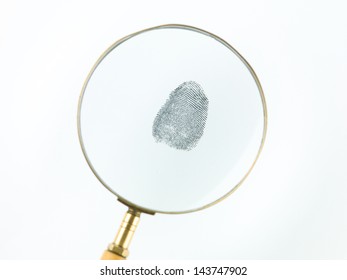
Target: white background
292	206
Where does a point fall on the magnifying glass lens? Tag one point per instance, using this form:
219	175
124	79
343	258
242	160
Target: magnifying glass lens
171	119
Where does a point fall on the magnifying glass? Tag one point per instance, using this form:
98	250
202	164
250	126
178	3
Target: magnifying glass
171	120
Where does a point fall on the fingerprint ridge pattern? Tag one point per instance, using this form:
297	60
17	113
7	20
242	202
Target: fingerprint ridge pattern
181	121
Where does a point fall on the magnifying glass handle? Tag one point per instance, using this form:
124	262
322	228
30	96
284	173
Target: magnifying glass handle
118	249
108	255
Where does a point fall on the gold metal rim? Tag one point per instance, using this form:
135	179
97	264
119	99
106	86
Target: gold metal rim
191	28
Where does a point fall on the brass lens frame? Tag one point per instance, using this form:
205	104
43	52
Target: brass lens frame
117	43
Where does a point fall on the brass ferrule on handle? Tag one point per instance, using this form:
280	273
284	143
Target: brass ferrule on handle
123	238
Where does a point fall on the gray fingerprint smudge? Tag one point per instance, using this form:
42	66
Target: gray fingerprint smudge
181	120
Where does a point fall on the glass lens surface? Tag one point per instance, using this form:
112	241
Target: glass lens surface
171	119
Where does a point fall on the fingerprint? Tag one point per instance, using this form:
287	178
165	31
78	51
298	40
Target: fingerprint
180	122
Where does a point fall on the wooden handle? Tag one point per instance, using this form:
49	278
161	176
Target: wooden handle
107	255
